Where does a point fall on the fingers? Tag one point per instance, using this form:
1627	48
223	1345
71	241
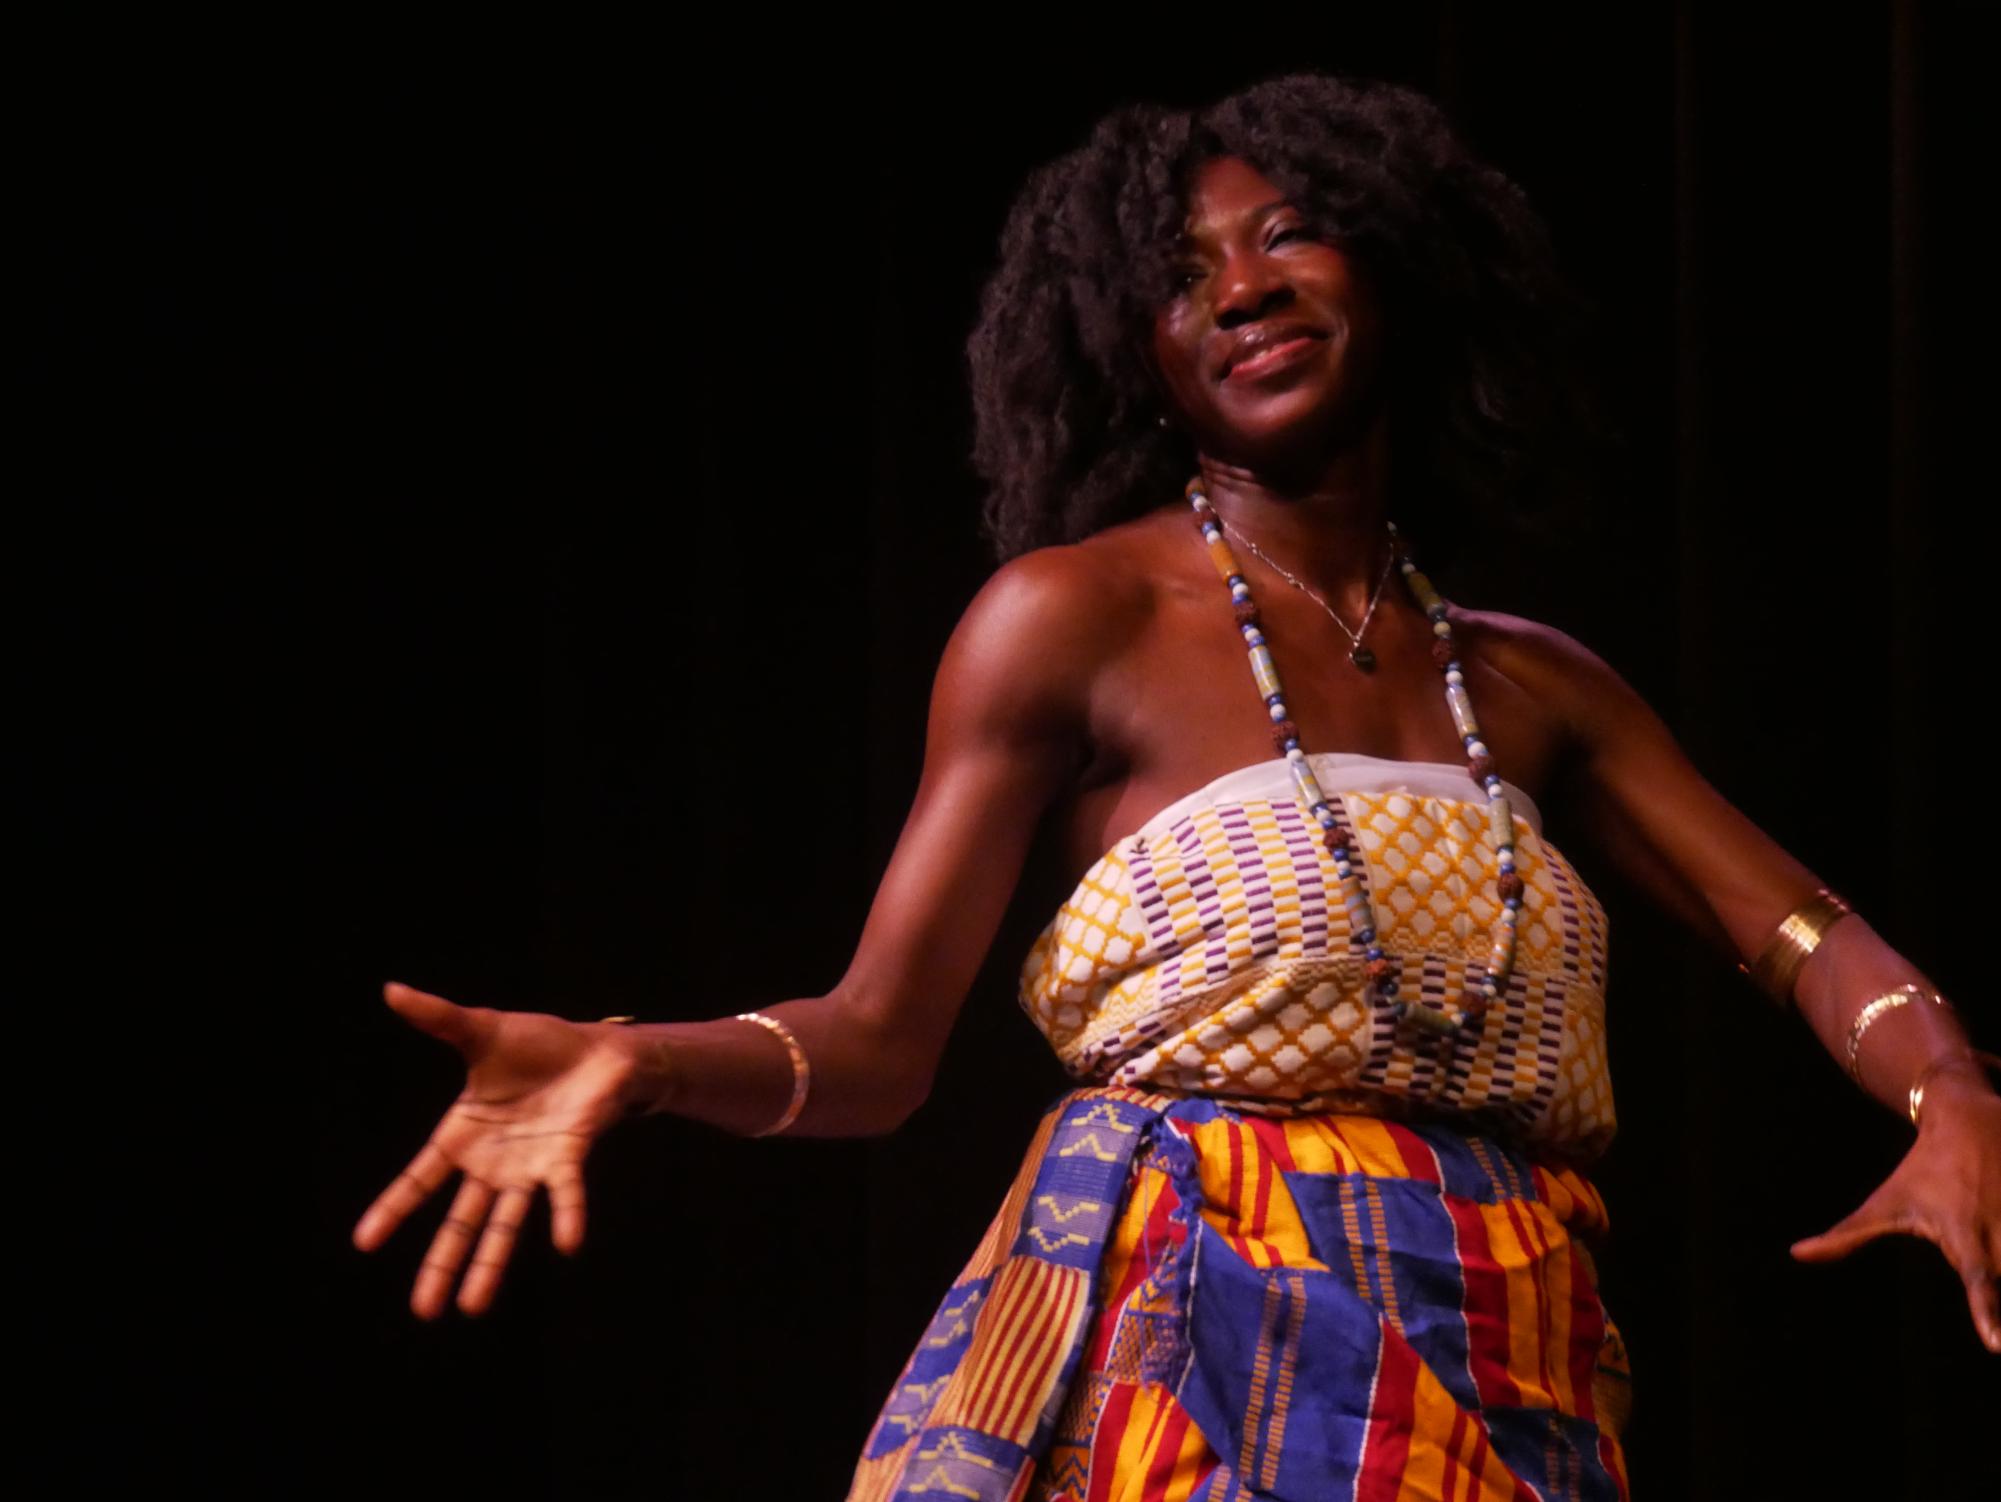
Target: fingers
495	1247
494	1217
456	1025
1968	1253
1845	1235
415	1184
1986	1309
448	1248
479	1213
447	1255
566	1208
1965	1253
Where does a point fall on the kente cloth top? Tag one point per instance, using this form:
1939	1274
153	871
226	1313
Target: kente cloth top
1208	953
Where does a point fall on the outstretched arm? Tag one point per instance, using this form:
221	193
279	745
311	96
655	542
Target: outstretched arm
1645	805
1006	732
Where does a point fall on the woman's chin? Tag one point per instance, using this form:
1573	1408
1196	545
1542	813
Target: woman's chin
1284	426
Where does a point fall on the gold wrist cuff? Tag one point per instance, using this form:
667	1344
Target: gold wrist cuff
1777	966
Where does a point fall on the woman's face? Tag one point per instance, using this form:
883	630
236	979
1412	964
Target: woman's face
1269	345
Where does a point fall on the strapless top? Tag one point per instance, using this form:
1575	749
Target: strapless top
1207	953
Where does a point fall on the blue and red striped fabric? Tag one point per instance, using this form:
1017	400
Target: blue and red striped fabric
1179	1301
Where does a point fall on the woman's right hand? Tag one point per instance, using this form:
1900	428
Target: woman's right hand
539	1090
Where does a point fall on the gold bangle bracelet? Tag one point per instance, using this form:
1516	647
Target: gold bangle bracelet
802	1072
1778	964
1976	1056
1909	991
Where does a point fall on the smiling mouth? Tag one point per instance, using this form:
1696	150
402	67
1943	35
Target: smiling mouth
1273	357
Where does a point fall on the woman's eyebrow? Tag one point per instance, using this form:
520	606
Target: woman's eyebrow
1187	239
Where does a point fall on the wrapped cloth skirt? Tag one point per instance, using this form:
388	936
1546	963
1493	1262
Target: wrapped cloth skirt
1180	1302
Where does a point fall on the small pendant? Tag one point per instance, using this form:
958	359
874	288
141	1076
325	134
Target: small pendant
1428	1021
1364	659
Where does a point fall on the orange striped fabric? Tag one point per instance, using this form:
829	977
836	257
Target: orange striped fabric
1479	1365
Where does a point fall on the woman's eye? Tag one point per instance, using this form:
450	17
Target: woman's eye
1290	233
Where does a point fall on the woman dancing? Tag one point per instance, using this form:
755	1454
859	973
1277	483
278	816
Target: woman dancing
1317	1221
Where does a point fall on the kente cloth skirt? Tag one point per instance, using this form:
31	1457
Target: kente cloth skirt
1179	1302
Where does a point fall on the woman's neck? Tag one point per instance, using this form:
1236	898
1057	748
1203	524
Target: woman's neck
1329	530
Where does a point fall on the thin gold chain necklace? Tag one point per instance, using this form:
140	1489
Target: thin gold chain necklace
1360	655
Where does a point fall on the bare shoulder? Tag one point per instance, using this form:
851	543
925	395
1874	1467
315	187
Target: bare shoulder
1067	599
1067	587
1533	645
1036	633
1554	666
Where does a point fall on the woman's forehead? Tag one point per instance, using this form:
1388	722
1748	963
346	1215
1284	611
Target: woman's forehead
1226	191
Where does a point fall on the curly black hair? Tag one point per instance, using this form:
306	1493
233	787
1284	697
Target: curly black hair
1491	403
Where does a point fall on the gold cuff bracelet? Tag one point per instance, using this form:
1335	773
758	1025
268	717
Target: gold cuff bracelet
1778	964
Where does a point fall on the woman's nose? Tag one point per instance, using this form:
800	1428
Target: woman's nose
1246	286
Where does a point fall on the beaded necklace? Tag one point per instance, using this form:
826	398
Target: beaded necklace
1380	968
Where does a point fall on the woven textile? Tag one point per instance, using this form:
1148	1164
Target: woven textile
1273	1247
1208	952
1375	1310
1181	1301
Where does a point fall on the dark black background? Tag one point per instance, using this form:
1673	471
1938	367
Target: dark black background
491	523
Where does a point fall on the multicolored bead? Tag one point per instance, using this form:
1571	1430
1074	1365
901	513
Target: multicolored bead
1381	970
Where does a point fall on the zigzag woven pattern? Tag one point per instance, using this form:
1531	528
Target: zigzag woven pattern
1193	1303
977	1401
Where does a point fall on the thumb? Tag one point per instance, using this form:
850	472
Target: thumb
432	1014
1845	1235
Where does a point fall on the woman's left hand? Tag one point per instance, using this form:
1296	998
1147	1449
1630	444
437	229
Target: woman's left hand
1947	1190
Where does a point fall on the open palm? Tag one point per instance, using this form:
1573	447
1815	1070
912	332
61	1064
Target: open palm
539	1090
